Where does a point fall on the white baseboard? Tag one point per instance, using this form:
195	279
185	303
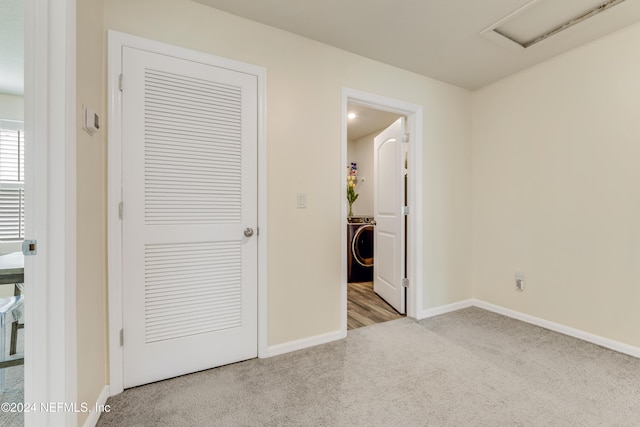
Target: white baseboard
423	314
93	414
287	347
557	327
436	311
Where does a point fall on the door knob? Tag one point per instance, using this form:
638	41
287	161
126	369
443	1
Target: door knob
248	232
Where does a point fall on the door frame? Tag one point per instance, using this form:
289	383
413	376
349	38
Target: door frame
116	41
50	369
415	247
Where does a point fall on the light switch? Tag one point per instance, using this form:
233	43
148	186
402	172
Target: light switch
302	200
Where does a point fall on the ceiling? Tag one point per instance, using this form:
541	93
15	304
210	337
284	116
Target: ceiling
12	47
440	39
367	121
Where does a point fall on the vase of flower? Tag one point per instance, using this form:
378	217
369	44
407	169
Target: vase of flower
352	196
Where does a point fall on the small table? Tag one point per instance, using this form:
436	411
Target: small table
12	270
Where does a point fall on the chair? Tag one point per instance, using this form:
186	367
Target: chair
10	311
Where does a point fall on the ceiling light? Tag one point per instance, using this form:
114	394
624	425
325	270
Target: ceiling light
351	115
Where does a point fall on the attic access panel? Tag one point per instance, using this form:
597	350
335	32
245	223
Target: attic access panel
540	19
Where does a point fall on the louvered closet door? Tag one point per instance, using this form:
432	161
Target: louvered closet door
189	191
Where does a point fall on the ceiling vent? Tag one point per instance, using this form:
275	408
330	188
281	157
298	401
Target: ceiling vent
539	19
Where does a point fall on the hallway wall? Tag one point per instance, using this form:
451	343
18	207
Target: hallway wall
91	262
304	85
555	189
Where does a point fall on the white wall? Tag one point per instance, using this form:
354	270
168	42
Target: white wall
11	107
556	189
361	151
304	88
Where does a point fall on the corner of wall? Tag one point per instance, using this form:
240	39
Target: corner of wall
91	218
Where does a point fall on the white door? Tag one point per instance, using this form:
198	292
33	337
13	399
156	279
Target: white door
189	191
389	247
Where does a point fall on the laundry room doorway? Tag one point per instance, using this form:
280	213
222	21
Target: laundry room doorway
378	257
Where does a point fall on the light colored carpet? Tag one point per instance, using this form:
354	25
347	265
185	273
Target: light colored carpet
14	393
466	368
13	388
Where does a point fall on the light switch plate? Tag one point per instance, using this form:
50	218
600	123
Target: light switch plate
302	200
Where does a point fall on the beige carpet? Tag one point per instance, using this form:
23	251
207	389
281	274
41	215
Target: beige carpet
13	388
14	393
467	368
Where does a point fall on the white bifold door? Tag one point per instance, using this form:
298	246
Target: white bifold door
189	191
389	199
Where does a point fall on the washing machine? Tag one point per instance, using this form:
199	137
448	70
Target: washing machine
360	237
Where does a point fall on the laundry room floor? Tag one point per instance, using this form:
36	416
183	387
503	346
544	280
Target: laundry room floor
365	307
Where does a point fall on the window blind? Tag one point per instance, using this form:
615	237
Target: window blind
11	184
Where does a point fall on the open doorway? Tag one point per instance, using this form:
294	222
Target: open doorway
45	42
365	305
367	137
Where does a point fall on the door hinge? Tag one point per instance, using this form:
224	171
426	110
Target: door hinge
405	210
121	337
120	82
405	282
120	209
30	247
405	137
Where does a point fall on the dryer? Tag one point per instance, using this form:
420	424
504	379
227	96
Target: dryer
360	237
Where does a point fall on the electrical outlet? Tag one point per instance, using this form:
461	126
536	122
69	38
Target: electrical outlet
519	282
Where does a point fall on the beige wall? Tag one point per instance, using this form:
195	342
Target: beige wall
91	209
446	197
304	84
556	189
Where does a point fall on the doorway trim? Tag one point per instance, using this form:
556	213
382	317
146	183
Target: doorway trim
414	115
50	369
116	41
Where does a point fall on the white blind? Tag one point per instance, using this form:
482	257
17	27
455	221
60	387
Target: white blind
11	183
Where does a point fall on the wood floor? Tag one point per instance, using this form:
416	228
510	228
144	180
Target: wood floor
365	307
